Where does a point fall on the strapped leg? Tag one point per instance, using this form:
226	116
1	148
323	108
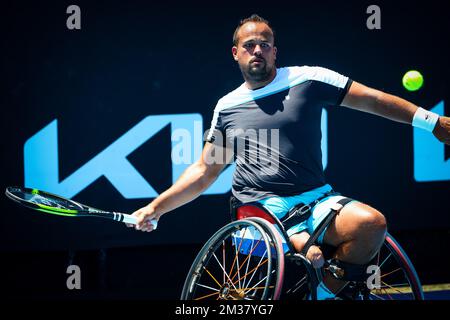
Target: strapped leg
357	234
325	223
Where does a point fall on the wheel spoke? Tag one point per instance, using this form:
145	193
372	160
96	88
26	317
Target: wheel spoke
237	264
223	257
391	272
254	272
212	276
233	235
226	274
207	296
254	288
210	288
390	254
390	289
256	284
248	256
248	263
259	265
398	285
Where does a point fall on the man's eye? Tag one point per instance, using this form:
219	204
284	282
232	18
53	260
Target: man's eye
248	45
265	45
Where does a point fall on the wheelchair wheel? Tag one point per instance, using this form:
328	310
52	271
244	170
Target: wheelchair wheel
398	278
244	260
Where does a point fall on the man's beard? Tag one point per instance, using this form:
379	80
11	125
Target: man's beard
256	74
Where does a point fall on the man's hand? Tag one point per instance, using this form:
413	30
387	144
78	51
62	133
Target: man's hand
315	255
442	130
144	216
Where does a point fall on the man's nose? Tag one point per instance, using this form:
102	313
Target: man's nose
257	50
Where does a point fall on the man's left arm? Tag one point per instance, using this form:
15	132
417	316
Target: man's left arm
363	98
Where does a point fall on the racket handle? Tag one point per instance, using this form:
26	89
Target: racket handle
128	218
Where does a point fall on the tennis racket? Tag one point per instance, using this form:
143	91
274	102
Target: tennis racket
54	204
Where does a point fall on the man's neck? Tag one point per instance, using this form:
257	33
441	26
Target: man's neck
253	85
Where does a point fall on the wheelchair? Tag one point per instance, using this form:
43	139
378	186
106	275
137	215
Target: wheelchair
251	258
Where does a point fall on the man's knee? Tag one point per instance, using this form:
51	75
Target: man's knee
376	220
371	222
357	221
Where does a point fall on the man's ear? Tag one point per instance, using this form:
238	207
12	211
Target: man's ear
275	52
234	52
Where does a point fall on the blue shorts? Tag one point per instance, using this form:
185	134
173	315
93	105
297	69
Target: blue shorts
281	205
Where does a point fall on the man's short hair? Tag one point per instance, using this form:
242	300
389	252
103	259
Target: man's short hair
253	18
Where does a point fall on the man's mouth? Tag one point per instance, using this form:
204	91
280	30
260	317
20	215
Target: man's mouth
257	60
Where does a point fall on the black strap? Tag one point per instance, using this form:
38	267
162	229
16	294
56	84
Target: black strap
302	212
234	203
348	271
325	223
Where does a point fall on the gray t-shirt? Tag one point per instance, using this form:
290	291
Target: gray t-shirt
275	131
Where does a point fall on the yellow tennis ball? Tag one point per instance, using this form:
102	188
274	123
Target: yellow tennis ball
412	80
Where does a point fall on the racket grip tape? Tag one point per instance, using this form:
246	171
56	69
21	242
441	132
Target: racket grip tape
128	218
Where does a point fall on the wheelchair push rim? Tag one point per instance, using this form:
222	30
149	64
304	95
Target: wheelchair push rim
398	277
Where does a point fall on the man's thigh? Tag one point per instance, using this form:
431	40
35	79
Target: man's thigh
354	220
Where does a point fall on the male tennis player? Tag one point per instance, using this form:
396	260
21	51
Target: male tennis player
289	101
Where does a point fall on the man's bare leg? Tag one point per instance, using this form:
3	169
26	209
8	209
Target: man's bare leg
358	232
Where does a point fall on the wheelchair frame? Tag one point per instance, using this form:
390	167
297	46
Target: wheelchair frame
278	249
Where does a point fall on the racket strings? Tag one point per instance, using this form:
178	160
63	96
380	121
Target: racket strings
48	201
51	203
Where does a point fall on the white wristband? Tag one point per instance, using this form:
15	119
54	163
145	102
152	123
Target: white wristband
425	119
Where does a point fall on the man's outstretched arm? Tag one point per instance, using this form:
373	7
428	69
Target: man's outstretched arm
194	180
363	98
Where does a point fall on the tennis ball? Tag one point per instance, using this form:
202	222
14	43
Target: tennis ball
412	80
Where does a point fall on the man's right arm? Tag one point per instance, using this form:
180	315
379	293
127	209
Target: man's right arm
194	180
